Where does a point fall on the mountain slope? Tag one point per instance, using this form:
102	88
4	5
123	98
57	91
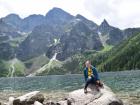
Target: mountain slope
75	39
60	25
7	34
89	23
124	57
57	16
113	35
24	25
74	34
14	20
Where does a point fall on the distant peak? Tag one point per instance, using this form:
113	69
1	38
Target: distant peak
80	16
56	10
13	15
105	23
105	20
35	15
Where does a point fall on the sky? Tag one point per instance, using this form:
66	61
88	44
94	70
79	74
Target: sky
119	13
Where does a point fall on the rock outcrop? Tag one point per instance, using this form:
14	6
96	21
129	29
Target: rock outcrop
28	99
102	97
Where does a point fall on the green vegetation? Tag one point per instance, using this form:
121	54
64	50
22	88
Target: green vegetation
53	67
124	57
107	48
37	62
16	41
6	65
22	68
18	66
3	69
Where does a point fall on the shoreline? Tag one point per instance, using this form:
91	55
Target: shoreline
124	84
49	96
127	98
76	74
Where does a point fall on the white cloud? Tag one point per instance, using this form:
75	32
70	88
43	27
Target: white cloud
27	7
120	13
4	8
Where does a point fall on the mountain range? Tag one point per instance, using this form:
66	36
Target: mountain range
58	32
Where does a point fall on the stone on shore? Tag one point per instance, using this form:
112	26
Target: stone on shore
27	99
93	97
103	97
37	103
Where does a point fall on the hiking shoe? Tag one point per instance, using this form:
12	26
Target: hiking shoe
97	88
85	91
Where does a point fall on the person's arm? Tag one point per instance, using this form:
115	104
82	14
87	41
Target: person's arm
85	74
95	74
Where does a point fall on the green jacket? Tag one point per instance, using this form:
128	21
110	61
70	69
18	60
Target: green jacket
95	73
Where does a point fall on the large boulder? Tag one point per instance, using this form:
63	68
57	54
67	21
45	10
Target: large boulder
37	103
27	99
103	97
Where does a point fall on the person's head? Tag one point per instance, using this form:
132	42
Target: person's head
88	63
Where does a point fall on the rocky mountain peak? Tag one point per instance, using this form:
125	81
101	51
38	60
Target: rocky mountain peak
4	27
78	16
89	23
104	23
34	16
105	28
58	12
58	16
13	16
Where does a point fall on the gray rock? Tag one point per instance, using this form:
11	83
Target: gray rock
37	103
27	99
103	97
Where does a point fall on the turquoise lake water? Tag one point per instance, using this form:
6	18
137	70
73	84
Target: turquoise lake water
124	82
117	81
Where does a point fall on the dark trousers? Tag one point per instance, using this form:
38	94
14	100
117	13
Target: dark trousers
90	81
93	81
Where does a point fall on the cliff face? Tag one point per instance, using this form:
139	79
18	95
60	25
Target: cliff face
59	32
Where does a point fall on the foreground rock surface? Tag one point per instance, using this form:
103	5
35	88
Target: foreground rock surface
27	99
103	97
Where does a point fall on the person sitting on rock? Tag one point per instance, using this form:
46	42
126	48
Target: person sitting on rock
91	76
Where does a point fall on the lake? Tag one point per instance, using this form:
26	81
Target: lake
126	84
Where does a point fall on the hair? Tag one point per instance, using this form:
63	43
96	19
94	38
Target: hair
87	61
